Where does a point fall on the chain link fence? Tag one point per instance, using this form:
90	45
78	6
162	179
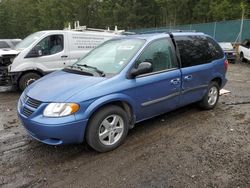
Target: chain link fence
225	31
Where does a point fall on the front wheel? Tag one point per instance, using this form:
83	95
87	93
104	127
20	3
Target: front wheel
211	98
27	79
107	129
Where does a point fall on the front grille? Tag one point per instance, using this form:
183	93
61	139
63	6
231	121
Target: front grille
27	112
33	103
24	98
29	105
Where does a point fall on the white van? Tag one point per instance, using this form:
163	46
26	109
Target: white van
43	52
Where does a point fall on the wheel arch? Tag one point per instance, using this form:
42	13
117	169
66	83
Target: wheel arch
218	80
37	71
124	102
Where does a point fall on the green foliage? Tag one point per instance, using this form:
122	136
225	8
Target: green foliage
18	18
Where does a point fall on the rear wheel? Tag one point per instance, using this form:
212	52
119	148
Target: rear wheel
211	98
107	129
27	79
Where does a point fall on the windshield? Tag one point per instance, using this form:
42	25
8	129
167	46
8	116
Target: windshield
112	56
29	40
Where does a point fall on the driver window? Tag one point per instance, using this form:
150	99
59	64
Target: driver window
159	53
50	45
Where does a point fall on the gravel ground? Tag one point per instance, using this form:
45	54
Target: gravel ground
184	148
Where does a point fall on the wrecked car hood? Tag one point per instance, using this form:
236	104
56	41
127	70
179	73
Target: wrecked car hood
4	52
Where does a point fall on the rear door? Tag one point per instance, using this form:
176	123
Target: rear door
159	91
197	67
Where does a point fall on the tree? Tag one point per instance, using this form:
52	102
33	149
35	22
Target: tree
18	18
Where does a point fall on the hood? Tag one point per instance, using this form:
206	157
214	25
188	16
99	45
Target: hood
4	52
60	86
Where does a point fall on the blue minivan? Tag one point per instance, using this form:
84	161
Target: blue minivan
122	82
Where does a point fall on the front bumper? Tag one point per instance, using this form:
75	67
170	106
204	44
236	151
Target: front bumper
55	134
5	78
52	131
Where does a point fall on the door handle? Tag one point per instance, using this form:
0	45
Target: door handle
188	78
175	81
64	56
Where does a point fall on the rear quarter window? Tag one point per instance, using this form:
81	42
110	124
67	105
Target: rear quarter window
215	50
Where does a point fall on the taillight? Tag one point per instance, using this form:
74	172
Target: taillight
226	64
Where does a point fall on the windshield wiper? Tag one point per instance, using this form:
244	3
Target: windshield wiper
100	72
72	67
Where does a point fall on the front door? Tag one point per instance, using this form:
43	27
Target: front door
53	53
159	91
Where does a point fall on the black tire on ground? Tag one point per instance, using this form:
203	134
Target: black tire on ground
27	79
242	58
95	125
204	103
232	61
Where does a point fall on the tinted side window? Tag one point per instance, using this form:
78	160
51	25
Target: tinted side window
159	53
214	49
4	44
193	50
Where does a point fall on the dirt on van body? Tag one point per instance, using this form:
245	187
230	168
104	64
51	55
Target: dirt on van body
185	148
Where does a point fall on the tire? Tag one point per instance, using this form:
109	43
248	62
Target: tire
242	58
211	98
99	132
27	79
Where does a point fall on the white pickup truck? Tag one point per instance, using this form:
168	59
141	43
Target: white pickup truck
244	51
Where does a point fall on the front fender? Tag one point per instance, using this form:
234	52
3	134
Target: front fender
26	66
106	100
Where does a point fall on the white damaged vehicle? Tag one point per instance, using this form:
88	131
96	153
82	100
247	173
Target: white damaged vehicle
46	51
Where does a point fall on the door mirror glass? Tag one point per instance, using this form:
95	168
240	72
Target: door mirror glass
143	68
39	52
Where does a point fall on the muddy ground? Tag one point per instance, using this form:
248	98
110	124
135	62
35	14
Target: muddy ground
184	148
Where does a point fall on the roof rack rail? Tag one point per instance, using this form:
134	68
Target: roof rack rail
162	30
179	30
77	27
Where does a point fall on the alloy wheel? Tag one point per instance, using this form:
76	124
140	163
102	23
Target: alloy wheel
111	130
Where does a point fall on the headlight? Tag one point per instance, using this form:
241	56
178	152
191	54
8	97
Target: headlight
60	109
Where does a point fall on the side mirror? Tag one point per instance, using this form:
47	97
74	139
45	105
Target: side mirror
143	68
35	52
39	52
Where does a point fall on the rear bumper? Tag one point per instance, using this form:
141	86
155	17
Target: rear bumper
230	56
55	134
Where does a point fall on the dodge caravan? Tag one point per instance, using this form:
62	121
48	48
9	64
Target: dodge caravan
122	82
